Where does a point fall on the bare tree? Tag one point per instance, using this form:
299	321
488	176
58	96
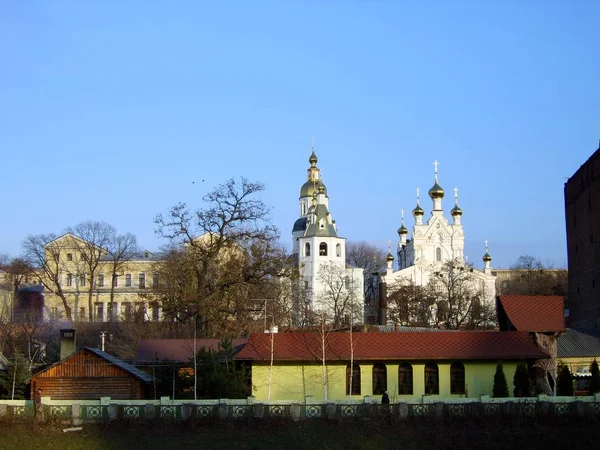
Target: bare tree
95	237
548	366
370	258
530	276
459	298
410	304
15	273
42	254
218	255
120	250
339	298
454	298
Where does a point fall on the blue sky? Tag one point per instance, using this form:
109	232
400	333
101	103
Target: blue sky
116	110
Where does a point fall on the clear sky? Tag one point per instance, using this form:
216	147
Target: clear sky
115	110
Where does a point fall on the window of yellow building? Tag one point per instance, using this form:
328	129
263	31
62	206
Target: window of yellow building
379	379
355	380
457	378
432	379
405	379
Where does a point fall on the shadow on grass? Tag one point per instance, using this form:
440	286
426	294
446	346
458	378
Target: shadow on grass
291	436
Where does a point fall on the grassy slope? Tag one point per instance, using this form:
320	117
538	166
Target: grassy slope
315	435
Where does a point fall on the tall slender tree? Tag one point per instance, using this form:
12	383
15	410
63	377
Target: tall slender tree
120	250
43	253
95	238
500	388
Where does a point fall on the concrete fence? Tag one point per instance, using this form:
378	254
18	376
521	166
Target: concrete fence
78	412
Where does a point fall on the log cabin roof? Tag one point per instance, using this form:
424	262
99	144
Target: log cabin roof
112	360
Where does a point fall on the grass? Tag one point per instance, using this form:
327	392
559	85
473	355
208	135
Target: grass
290	436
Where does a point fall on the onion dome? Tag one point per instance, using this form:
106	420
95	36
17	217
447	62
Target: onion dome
418	211
313	159
456	211
309	187
402	230
487	257
389	256
436	190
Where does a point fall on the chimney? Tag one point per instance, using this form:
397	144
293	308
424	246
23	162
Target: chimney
67	342
382	302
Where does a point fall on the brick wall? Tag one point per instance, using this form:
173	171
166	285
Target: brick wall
582	217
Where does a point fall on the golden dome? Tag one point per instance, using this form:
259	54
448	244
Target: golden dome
389	256
313	158
418	211
436	191
487	257
402	230
456	211
309	187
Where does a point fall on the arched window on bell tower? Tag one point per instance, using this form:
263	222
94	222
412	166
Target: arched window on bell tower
438	254
307	249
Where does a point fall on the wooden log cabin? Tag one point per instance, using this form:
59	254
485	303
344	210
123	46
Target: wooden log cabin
88	375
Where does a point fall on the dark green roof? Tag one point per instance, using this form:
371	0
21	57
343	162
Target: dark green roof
314	229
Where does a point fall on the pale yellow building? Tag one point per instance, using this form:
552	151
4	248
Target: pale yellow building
67	270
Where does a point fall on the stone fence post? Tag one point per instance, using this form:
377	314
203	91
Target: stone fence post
223	411
76	414
403	411
331	411
439	410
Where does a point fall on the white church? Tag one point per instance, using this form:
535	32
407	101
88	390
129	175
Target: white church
433	243
328	285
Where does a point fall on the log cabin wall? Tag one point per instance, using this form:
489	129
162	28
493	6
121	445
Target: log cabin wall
86	376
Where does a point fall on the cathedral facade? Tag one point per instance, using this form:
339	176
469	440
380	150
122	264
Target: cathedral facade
436	246
326	287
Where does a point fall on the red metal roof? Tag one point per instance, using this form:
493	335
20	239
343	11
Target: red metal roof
534	313
181	350
477	345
